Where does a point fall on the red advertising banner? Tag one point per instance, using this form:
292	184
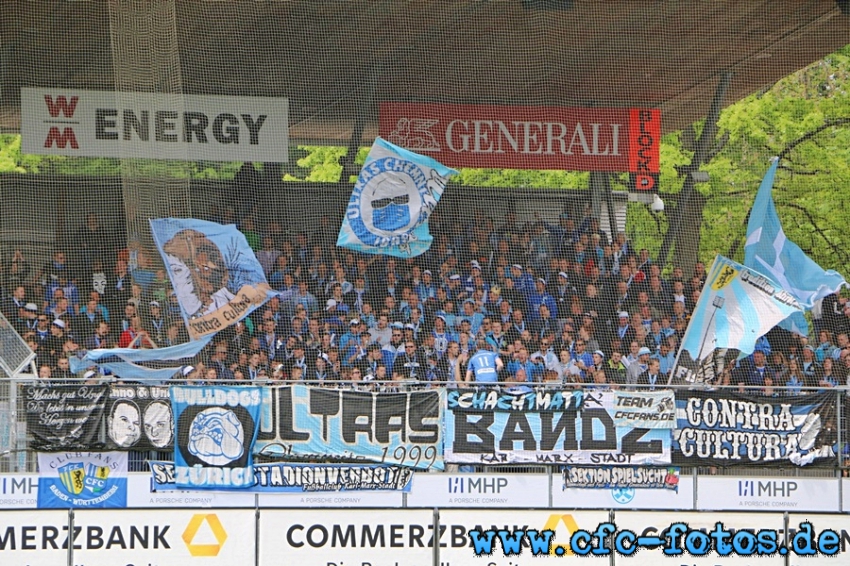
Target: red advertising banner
528	137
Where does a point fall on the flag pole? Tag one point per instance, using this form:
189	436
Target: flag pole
708	278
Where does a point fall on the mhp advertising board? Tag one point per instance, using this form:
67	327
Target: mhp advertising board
486	426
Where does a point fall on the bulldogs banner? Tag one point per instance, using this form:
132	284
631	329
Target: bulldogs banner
139	418
609	477
394	196
547	427
728	429
328	425
643	409
82	479
64	417
305	478
215	274
215	429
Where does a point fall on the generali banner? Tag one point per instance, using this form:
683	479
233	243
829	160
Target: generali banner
58	121
528	137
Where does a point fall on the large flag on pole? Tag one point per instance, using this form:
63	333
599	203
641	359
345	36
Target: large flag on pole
215	274
394	196
736	307
770	252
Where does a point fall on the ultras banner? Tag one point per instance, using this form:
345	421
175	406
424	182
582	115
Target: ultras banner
64	417
726	429
547	427
317	424
215	429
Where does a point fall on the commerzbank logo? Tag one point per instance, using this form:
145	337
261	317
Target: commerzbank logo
553	523
191	532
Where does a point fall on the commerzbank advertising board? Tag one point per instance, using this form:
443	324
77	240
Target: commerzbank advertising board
219	537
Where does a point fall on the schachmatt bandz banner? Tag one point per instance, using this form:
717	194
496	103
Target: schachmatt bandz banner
547	427
728	429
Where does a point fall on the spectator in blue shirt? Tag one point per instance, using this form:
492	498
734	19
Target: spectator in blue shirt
484	366
521	361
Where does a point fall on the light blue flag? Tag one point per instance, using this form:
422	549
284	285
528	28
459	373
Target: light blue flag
154	365
736	307
216	276
395	194
771	253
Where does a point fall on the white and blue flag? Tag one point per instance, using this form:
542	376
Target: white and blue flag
770	252
156	365
216	276
736	307
394	196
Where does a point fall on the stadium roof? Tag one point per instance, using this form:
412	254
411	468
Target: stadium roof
335	59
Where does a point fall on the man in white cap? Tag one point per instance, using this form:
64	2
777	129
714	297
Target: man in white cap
636	369
624	331
537	298
563	295
454	289
523	281
53	344
427	289
27	318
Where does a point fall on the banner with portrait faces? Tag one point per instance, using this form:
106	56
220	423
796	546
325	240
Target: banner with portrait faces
139	417
215	430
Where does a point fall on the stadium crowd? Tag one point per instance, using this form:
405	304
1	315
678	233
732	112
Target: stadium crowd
550	302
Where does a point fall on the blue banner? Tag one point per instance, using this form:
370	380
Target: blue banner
306	478
215	274
395	194
728	429
485	426
86	480
214	430
332	425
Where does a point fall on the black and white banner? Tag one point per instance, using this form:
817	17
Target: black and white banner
727	429
139	418
64	417
547	426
